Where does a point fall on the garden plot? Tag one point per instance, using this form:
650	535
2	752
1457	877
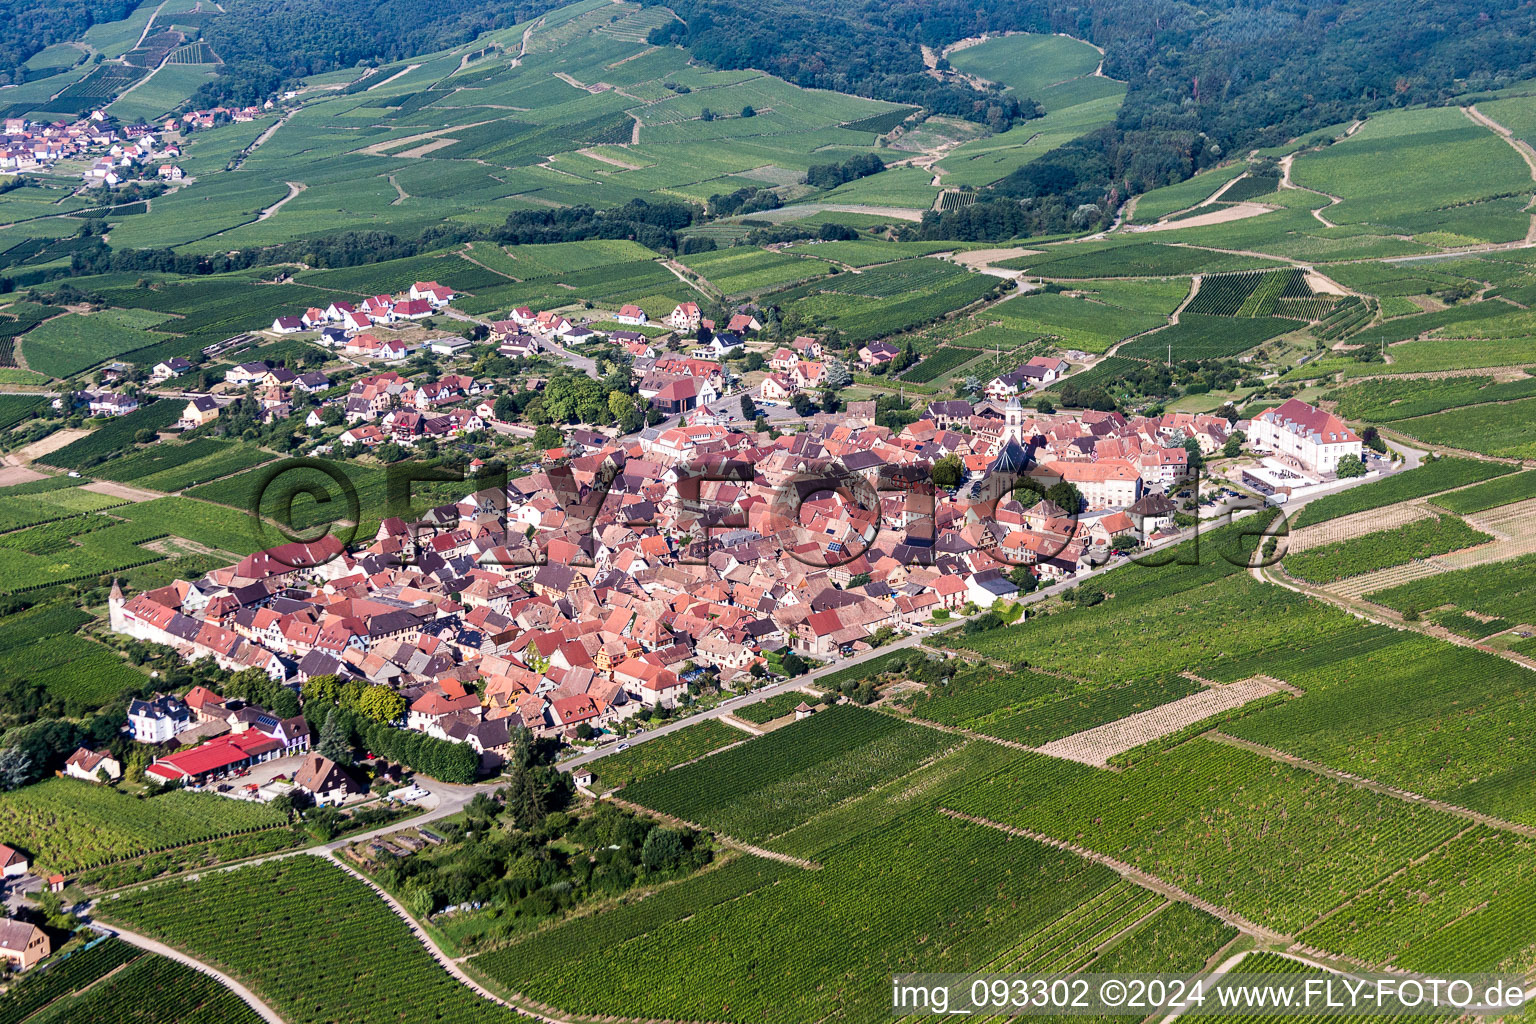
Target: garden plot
1096	746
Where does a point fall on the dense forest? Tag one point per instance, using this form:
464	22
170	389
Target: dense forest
31	26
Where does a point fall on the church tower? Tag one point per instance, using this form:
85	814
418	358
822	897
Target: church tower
1013	421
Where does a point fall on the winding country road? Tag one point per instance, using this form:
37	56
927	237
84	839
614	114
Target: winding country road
149	945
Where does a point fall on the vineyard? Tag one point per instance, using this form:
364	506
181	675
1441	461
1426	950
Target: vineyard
64	975
151	990
356	961
952	200
68	825
1033	708
1422	538
1382	401
1279	845
1468	902
153	49
115	435
1004	903
771	784
1504	590
1250	294
1504	490
657	756
1447	722
1430	478
1351	315
194	53
765	711
1149	635
172	467
1206	337
938	364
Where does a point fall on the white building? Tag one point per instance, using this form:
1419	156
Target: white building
1314	438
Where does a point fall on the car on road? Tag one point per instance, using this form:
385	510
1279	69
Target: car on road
623	746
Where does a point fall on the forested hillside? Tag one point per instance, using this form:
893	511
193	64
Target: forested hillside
1205	77
28	27
267	44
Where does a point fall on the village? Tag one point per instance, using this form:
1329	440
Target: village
634	574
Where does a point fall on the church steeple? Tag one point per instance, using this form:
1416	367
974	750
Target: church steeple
1013	421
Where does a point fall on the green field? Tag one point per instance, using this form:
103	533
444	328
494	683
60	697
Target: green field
660	755
1420	539
735	793
358	963
67	825
1402	169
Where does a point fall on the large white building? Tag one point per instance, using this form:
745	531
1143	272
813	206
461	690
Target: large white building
1314	438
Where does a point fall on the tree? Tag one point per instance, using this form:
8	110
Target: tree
830	402
801	403
1234	446
321	689
1196	459
381	704
15	769
662	850
748	407
948	471
1067	496
547	436
747	111
1349	466
1045	406
838	374
504	409
1021	577
333	742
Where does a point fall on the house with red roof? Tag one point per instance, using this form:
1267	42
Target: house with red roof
1315	439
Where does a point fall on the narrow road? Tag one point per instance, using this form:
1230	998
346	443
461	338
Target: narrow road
143	942
444	961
